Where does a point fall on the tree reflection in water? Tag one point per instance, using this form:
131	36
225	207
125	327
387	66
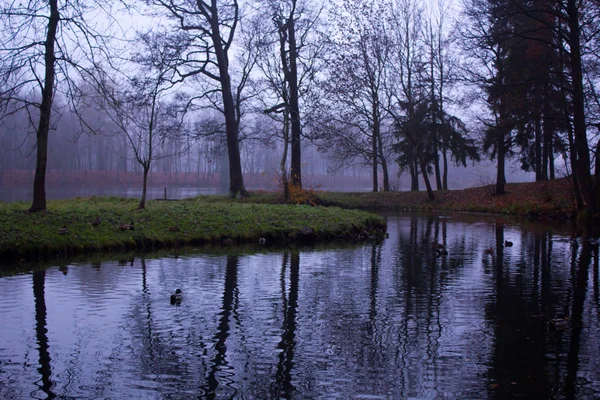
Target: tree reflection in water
219	366
391	319
41	333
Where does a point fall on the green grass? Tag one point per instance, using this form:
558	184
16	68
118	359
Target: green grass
199	220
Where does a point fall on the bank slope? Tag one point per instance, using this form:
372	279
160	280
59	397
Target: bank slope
96	224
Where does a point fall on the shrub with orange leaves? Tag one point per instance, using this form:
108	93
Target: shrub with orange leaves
302	196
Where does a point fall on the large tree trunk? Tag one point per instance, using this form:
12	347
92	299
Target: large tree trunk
414	176
436	155
500	175
39	181
539	171
296	161
581	144
445	177
282	163
374	141
236	178
597	167
384	168
438	174
570	136
548	148
426	179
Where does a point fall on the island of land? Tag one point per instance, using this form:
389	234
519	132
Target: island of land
86	225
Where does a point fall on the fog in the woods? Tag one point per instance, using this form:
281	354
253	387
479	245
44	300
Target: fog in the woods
86	164
348	95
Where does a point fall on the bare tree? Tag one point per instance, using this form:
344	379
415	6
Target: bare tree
45	49
354	118
295	23
145	108
486	39
406	88
441	77
210	27
288	63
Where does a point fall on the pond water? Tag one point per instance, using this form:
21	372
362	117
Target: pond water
378	320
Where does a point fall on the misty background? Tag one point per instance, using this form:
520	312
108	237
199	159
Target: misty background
102	164
89	154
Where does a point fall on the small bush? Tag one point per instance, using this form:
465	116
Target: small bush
302	196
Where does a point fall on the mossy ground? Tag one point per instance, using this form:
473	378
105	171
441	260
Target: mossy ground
171	223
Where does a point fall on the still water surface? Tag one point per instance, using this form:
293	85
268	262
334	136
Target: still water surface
388	320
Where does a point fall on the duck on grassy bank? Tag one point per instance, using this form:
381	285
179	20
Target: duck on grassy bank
126	227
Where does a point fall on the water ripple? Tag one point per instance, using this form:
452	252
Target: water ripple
389	320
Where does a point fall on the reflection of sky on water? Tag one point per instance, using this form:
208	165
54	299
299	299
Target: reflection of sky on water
369	321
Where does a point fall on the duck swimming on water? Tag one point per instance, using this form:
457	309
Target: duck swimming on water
558	324
177	297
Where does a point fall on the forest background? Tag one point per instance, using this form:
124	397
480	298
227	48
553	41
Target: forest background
209	92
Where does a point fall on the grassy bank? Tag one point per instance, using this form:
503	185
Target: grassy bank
102	224
550	199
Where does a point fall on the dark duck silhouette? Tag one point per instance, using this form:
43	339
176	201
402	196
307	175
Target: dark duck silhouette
559	324
508	243
437	246
177	297
441	252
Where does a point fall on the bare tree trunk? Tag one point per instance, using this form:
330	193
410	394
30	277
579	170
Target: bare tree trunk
426	179
286	141
236	178
548	148
414	176
539	172
572	152
445	177
597	167
384	168
296	162
39	181
500	175
375	153
436	158
581	143
142	205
